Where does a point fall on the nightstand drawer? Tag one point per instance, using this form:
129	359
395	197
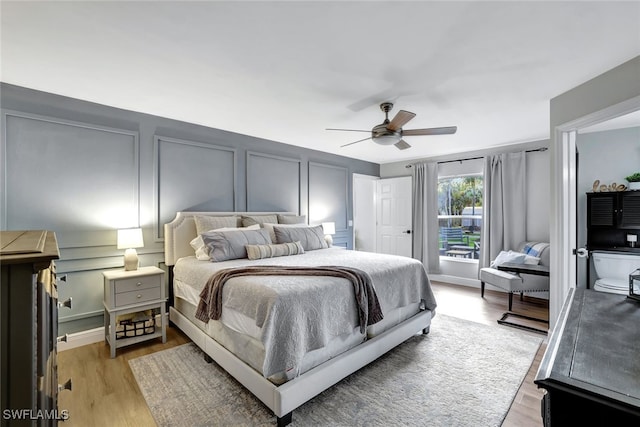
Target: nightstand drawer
137	283
138	296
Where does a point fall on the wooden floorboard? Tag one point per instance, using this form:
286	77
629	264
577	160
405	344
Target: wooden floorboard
106	394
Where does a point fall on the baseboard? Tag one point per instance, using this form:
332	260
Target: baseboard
90	336
474	283
463	281
78	339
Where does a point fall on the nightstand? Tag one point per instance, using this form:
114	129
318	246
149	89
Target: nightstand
133	291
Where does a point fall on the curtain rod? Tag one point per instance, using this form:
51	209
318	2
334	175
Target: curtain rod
476	158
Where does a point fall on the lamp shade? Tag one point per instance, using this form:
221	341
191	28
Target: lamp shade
329	228
130	238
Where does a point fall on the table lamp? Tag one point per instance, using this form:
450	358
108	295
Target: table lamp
129	239
329	229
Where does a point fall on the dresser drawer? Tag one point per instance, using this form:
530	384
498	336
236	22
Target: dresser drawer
137	283
138	296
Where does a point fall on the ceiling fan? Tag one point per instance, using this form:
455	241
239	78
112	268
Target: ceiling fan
391	133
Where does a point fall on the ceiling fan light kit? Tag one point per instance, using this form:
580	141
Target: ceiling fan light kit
383	136
391	133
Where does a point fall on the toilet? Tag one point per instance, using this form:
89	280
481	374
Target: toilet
612	271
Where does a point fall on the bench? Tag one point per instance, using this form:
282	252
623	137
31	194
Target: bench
452	236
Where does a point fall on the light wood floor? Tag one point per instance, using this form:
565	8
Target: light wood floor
106	394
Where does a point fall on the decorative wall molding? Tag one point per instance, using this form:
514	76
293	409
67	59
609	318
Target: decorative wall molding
273	183
198	176
329	190
97	165
182	171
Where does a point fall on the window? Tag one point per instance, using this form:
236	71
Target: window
460	215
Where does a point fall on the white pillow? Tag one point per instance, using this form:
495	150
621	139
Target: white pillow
202	251
511	256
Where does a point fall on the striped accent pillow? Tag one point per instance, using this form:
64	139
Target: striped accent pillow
273	250
534	248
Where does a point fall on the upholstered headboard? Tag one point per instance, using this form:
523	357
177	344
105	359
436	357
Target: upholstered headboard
179	232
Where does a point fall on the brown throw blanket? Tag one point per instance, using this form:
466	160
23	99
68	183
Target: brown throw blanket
369	312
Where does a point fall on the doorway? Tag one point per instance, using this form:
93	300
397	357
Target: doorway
608	152
382	214
563	214
364	212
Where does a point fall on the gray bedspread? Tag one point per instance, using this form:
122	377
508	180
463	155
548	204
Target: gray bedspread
366	300
322	308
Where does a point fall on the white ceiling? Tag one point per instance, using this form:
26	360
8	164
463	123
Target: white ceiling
285	71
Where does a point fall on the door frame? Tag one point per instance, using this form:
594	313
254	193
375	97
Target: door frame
563	219
361	177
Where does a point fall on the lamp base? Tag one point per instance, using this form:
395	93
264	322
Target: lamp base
328	239
131	261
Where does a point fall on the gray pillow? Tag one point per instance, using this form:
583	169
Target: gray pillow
207	223
248	220
311	238
273	250
269	227
292	219
226	245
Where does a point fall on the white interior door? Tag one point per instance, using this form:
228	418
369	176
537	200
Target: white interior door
394	224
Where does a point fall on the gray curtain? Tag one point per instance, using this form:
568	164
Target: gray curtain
504	205
425	216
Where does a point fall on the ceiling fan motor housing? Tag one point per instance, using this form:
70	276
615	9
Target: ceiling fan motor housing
383	136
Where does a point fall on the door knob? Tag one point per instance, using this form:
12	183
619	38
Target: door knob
581	252
407	232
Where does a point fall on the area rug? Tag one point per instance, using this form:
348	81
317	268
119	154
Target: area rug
461	374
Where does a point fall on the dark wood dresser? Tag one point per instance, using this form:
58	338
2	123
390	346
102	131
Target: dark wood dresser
591	369
28	328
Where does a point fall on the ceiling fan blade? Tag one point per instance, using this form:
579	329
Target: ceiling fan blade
350	130
387	94
402	145
400	119
430	131
354	142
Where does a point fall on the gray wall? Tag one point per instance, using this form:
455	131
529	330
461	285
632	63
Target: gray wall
84	170
607	156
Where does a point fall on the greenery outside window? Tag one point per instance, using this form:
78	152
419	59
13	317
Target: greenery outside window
460	216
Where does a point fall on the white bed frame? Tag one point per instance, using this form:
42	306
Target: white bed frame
282	399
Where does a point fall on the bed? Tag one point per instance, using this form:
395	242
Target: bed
325	339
